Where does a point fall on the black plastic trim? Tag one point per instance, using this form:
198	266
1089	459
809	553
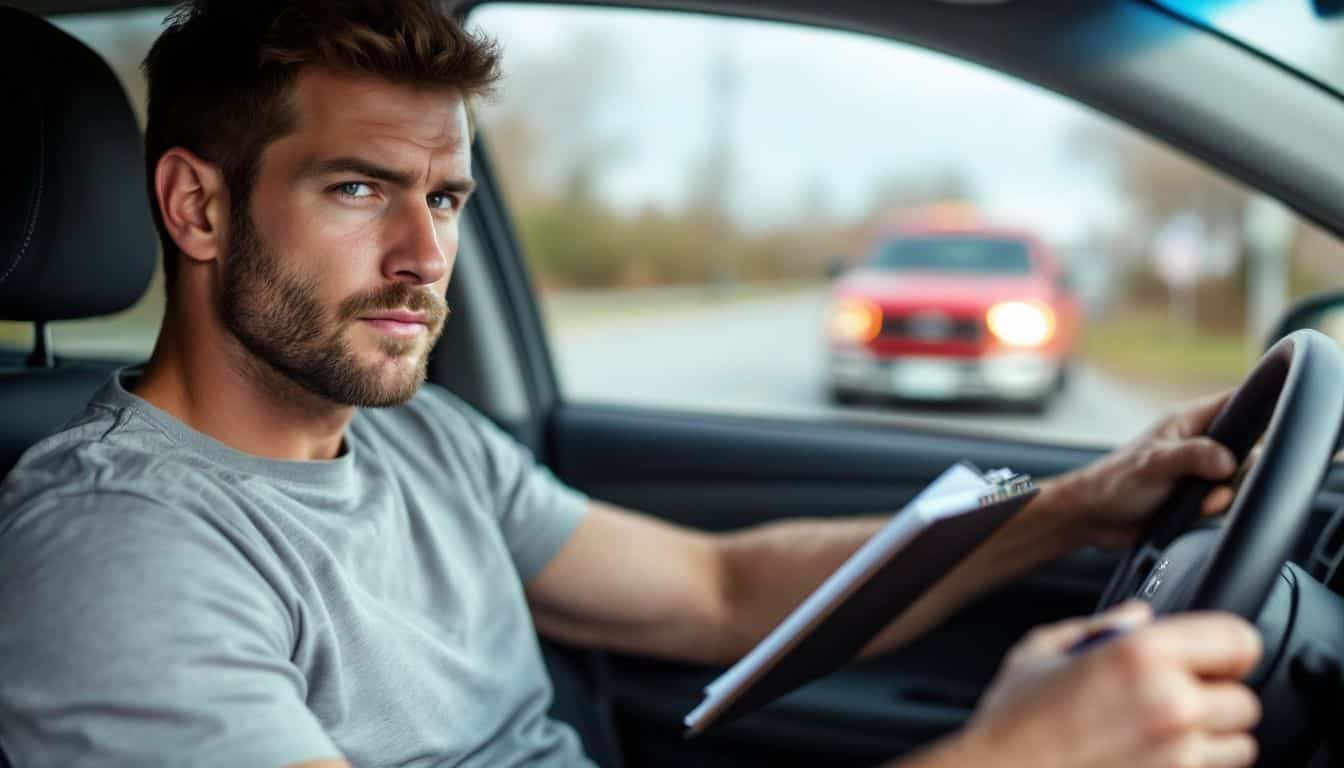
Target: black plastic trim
504	256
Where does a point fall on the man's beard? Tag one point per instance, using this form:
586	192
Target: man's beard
278	318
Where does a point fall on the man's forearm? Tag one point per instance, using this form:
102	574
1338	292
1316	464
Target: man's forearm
770	569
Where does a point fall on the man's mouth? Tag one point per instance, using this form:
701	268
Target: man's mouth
401	323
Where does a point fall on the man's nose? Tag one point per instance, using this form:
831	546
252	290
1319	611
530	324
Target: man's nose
421	247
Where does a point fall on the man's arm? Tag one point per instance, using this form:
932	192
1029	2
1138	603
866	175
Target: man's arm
631	583
635	584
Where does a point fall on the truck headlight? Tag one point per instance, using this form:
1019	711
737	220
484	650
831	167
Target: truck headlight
854	320
1021	323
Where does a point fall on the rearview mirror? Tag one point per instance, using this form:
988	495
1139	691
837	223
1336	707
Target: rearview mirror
1323	312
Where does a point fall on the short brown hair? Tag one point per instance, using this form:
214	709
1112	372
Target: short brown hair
220	75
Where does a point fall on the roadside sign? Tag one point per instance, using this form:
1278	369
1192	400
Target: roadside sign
1179	250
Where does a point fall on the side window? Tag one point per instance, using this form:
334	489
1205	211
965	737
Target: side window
122	39
753	217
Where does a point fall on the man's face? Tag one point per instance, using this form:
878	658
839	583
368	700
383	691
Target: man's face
337	268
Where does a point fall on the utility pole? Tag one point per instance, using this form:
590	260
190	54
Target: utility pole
1268	228
721	156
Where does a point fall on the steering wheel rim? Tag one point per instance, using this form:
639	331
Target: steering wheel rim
1295	397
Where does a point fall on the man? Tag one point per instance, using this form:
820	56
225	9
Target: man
272	547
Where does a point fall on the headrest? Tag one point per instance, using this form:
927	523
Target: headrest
76	237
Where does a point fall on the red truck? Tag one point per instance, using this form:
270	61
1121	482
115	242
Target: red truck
959	311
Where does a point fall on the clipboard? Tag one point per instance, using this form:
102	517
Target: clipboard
917	547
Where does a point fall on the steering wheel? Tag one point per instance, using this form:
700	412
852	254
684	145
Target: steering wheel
1295	397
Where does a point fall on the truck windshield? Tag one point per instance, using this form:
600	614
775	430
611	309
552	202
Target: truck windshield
953	254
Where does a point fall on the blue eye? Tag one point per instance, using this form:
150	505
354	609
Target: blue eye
354	189
442	201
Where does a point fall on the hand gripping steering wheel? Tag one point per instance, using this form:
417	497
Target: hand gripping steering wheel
1295	397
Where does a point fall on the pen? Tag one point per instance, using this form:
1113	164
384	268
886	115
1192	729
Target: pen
1094	639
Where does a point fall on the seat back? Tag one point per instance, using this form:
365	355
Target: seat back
76	236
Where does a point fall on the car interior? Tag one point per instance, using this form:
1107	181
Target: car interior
77	241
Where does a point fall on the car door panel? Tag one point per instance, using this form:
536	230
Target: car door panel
748	469
724	472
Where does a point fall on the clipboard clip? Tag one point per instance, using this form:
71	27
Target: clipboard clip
1007	484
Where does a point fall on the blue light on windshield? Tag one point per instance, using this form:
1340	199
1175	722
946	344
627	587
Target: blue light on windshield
1205	10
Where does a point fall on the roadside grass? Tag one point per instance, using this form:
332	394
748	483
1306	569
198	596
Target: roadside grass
18	335
1142	347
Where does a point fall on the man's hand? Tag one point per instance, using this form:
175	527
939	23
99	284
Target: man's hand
1108	502
1165	693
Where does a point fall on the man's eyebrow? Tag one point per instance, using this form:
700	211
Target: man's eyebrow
371	170
355	165
459	185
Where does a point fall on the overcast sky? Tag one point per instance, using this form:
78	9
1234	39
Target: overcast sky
811	109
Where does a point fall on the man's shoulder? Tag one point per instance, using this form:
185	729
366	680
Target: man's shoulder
110	491
108	453
99	428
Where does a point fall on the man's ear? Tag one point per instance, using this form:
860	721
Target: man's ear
193	201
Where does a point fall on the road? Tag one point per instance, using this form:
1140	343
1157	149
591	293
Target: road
765	355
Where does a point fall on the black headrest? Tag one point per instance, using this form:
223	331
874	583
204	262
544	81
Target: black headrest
76	237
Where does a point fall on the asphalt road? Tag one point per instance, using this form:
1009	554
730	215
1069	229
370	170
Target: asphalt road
765	355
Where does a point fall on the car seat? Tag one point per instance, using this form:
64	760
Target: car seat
76	237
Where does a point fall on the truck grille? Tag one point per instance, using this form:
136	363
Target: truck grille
930	327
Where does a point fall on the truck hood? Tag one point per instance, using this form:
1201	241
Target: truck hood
941	290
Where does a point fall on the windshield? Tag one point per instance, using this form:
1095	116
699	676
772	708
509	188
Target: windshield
954	254
1288	31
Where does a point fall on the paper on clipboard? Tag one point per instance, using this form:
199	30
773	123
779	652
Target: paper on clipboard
957	491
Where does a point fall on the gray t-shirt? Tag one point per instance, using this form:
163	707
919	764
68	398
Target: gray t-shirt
165	599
